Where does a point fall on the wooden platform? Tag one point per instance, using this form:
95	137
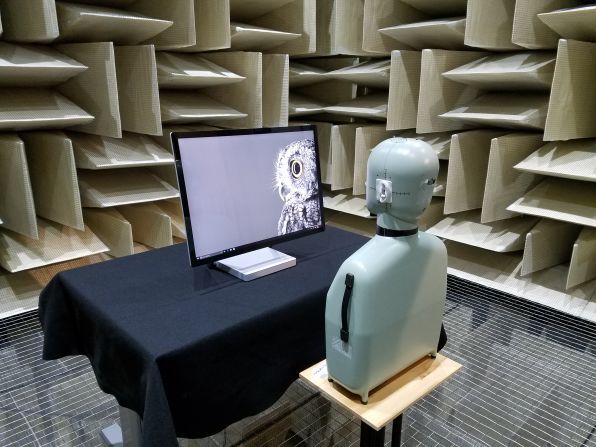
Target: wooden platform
393	397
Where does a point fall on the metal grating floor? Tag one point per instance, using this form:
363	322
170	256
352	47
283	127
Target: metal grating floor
529	379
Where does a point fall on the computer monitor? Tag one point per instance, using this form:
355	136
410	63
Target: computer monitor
242	190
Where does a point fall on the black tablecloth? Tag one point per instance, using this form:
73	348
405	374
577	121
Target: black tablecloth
194	350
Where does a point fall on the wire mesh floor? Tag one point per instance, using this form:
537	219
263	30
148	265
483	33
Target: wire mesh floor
529	379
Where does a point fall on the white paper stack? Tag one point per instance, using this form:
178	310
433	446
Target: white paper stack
574	159
116	187
35	66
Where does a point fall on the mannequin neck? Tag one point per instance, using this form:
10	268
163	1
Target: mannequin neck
389	222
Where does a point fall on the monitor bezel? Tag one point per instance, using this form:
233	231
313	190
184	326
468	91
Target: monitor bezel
233	251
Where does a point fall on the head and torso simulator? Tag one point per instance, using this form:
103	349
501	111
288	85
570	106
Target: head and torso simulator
242	190
385	306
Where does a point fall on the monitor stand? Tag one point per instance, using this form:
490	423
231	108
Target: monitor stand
255	264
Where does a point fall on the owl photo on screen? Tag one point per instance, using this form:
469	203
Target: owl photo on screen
298	186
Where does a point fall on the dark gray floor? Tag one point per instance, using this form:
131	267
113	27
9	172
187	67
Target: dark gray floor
529	379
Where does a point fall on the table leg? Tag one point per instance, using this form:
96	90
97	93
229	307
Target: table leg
396	431
369	437
129	435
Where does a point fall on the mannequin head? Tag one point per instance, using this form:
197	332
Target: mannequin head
401	176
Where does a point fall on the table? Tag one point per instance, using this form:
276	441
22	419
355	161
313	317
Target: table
194	350
388	401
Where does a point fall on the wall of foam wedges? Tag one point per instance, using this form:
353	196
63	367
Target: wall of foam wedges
505	97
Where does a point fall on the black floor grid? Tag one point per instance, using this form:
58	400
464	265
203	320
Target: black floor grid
529	379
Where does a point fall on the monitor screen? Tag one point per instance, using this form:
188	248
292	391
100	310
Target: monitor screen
246	189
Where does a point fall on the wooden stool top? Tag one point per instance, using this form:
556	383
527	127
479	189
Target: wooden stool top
391	398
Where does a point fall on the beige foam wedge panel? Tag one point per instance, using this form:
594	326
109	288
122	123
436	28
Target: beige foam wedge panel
509	110
276	71
572	23
116	187
528	30
343	139
300	105
89	23
138	91
572	109
29	21
112	228
180	107
468	164
174	211
132	150
346	203
250	37
302	74
444	8
324	140
35	66
95	90
373	106
180	13
502	236
432	215
54	177
582	267
381	14
349	222
35	108
519	71
441	183
211	26
439	94
366	138
489	24
404	87
548	244
437	33
17	206
245	97
504	184
56	243
574	159
370	73
150	225
440	142
185	71
560	199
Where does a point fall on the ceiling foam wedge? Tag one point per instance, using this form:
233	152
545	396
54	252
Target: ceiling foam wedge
573	159
372	74
116	187
54	177
560	199
366	138
138	91
191	71
17	208
112	228
373	106
518	71
31	21
507	110
173	209
151	226
184	107
181	13
96	89
302	74
56	243
528	30
132	150
437	33
548	244
502	236
32	108
89	23
572	23
443	8
249	37
35	66
346	204
404	87
582	267
504	184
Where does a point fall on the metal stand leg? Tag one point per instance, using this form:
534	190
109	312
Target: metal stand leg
129	435
396	431
369	437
